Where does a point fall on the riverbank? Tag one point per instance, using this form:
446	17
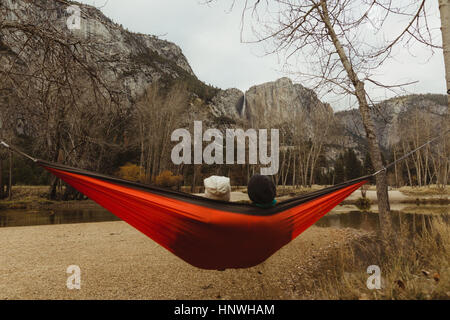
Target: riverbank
35	197
118	262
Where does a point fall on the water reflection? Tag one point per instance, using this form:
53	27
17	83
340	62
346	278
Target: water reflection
353	219
16	218
369	220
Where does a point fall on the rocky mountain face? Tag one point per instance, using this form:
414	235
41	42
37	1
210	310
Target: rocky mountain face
271	103
228	104
127	61
130	62
429	109
281	100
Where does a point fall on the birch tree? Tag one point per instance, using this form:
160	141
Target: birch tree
444	9
158	113
443	160
337	45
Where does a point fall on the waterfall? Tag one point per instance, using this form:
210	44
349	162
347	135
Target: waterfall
243	107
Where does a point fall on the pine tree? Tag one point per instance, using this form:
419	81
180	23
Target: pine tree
368	167
339	170
353	167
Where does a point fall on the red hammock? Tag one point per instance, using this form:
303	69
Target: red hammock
206	233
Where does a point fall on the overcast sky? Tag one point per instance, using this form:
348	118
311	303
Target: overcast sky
210	39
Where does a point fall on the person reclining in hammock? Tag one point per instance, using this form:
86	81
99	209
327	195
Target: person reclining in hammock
262	191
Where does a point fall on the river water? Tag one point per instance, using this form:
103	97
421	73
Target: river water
16	217
345	216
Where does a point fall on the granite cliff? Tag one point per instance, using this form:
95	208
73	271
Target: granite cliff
130	62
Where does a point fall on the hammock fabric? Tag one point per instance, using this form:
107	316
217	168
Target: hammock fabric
207	234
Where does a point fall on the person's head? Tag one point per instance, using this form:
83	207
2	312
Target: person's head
217	188
262	191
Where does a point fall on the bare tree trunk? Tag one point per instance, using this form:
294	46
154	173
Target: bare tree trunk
407	165
374	149
307	166
418	169
409	174
395	167
311	175
10	177
280	174
53	188
375	154
417	162
426	167
444	8
287	170
293	169
1	178
194	177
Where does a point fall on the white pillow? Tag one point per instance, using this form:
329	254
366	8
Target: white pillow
217	188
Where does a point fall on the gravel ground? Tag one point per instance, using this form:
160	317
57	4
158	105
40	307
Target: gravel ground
118	262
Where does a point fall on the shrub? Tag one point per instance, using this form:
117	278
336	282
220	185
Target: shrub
363	203
167	179
131	172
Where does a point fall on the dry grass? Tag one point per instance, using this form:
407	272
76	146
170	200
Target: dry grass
23	192
432	190
293	191
22	195
26	196
36	197
430	209
413	266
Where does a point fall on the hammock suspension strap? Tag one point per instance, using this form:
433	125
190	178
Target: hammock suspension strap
410	153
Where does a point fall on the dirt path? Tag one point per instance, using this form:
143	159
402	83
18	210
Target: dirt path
394	196
118	262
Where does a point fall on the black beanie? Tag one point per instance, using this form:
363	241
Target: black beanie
261	189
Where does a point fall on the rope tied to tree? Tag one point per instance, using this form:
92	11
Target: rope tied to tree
7	146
